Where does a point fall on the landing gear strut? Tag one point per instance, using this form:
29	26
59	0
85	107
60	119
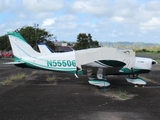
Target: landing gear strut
99	80
137	81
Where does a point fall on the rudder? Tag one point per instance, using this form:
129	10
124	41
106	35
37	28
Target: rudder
20	47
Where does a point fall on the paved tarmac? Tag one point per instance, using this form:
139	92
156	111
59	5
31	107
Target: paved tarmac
33	98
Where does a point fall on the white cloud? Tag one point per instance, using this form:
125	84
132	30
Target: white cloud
153	6
115	33
22	16
90	25
48	22
91	6
68	17
42	5
151	24
2	5
64	22
118	19
2	26
67	26
105	19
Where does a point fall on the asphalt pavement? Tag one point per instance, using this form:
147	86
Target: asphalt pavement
34	98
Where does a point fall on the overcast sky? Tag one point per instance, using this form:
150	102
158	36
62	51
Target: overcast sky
106	20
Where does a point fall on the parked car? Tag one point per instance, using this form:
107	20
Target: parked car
0	55
7	54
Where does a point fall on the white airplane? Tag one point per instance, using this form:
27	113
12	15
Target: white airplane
96	63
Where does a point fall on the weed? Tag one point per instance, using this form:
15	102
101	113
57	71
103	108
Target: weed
122	94
13	78
52	80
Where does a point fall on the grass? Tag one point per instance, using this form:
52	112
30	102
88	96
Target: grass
52	80
34	72
122	94
13	78
158	60
148	49
119	94
149	54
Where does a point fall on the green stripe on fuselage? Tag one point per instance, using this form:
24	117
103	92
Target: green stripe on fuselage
28	64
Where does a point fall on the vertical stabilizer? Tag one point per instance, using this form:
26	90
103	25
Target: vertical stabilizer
20	46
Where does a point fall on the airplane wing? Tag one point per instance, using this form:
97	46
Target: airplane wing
103	57
110	67
110	60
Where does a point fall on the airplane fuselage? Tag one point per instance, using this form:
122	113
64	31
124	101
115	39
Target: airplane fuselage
65	62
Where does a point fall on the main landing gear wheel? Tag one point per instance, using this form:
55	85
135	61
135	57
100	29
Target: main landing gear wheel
135	85
99	79
136	81
139	85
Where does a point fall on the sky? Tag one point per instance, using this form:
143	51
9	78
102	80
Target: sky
105	20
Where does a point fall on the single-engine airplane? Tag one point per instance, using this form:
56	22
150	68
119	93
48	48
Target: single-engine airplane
96	63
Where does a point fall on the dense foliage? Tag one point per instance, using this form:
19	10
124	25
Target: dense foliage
32	35
4	43
85	41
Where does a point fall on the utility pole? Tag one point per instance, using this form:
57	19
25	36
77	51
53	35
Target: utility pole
36	27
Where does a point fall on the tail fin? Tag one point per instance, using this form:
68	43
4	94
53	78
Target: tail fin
20	46
44	49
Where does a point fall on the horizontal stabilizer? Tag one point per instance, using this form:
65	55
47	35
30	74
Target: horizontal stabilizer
14	63
44	49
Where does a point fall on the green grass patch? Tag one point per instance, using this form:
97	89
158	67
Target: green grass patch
13	78
158	60
122	94
52	80
155	49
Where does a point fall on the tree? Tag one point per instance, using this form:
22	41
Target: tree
85	41
36	35
33	37
4	43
